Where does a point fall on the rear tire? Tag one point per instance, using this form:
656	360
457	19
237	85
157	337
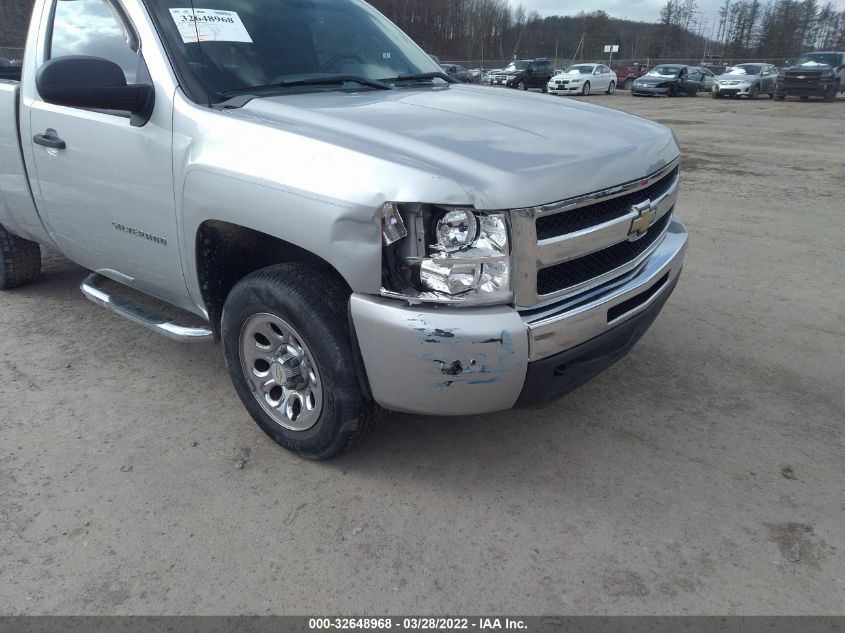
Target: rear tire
291	320
20	260
611	88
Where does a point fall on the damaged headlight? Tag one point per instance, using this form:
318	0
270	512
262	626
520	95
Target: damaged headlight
454	255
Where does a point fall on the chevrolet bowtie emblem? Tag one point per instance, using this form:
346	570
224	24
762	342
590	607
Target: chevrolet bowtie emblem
646	214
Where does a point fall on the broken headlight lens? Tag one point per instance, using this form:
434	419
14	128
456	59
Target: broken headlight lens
457	229
452	255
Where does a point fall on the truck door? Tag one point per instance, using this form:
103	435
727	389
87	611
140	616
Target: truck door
104	187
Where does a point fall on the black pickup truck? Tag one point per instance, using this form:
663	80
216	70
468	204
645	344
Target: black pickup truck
819	74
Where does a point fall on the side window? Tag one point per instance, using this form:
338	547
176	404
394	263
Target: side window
92	27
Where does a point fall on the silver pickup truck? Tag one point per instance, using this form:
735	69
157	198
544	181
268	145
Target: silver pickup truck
303	183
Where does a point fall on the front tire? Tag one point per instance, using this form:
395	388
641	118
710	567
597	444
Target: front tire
586	89
780	97
755	92
831	95
288	349
522	85
20	260
611	88
715	94
628	83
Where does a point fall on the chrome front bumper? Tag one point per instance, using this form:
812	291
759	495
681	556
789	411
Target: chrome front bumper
459	361
582	318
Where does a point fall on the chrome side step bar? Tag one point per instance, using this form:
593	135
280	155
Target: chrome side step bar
92	289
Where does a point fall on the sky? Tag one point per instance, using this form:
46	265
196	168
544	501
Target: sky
643	10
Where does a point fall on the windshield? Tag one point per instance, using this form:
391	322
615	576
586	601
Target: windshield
227	46
745	69
515	66
664	71
580	70
817	59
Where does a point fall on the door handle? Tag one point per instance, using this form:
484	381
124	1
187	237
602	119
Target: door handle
49	139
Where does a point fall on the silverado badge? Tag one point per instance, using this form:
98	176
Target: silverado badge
646	214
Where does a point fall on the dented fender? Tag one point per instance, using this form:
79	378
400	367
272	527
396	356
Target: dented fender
441	361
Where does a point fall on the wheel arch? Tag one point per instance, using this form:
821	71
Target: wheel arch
226	252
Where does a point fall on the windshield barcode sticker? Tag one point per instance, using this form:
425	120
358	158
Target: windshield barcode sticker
209	25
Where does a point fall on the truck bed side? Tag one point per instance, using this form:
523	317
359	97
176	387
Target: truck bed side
17	208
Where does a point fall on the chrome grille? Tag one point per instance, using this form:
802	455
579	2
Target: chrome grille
579	244
550	226
577	271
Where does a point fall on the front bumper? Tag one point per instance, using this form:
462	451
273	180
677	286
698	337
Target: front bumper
804	90
731	91
649	91
565	90
458	361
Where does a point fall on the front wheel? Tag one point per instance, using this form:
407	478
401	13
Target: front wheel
831	94
586	89
715	94
522	85
780	97
611	88
628	83
755	92
288	349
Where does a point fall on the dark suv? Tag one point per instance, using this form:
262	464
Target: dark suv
813	75
525	74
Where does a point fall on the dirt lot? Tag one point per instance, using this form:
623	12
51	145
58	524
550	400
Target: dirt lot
659	488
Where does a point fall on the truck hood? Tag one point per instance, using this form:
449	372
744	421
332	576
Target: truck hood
506	149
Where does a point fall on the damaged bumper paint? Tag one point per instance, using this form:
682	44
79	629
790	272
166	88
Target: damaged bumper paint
442	361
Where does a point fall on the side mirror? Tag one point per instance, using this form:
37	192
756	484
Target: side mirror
79	81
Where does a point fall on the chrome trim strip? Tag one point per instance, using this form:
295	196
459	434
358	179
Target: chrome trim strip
568	327
530	253
605	194
140	315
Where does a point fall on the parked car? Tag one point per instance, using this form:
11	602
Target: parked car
716	70
746	80
490	75
813	75
669	80
627	75
709	79
10	69
359	231
457	72
583	79
525	74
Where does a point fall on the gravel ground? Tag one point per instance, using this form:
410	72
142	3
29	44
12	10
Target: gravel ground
679	482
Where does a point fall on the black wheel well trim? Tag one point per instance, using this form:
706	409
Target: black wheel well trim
225	253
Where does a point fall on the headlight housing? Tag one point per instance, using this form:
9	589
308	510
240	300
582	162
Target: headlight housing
451	255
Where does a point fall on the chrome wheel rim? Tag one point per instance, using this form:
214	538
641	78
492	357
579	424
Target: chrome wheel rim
281	372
